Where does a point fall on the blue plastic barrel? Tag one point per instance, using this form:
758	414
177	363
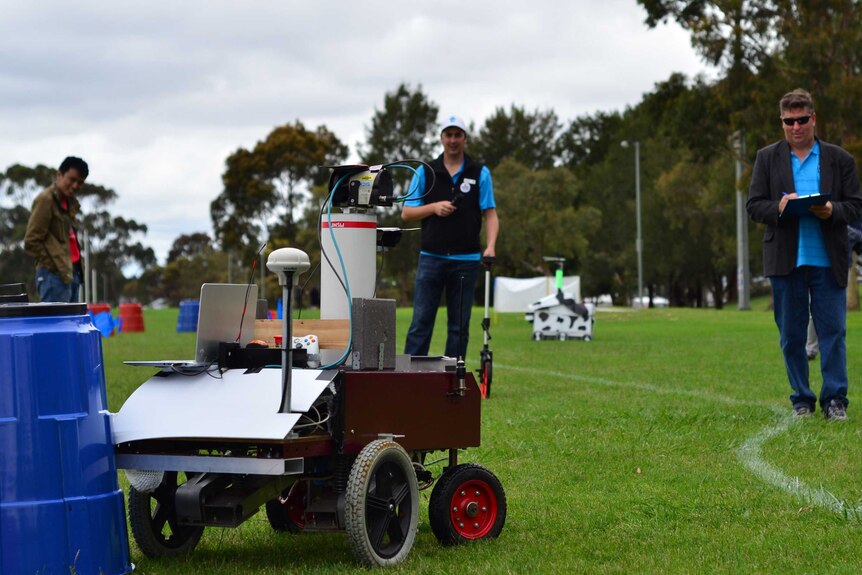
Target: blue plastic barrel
188	319
61	510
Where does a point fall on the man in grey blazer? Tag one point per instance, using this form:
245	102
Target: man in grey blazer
806	256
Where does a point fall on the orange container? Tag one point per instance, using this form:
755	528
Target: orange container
130	315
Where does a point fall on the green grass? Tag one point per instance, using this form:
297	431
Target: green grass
659	447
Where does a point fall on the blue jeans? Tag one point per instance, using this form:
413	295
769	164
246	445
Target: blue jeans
828	309
432	277
52	288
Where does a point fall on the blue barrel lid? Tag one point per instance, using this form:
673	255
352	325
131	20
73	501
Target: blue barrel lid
41	309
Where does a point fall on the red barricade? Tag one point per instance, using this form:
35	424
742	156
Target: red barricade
131	316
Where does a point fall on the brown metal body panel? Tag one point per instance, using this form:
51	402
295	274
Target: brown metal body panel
418	408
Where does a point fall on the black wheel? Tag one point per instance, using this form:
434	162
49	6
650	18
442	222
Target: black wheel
288	514
153	519
382	504
468	503
486	375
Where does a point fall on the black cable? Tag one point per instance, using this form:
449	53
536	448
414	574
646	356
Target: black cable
207	369
328	198
427	187
461	353
302	289
248	289
379	271
320	239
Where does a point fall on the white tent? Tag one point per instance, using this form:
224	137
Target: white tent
515	294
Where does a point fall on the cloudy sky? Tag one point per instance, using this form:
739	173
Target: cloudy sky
155	95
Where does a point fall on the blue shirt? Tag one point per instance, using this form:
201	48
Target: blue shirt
486	202
806	179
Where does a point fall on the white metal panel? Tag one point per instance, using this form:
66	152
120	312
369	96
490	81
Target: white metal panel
210	464
234	406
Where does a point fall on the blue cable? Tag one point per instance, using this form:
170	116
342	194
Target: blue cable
341	259
415	174
344	273
428	188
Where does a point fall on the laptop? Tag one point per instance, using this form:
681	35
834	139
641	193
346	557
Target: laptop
220	319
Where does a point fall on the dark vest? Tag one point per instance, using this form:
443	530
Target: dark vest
459	233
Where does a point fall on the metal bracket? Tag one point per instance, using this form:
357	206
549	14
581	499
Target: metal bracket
390	436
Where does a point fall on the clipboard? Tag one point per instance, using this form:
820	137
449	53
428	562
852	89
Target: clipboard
799	206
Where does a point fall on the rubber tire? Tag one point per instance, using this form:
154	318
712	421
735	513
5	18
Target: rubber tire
382	500
456	490
487	376
280	514
149	522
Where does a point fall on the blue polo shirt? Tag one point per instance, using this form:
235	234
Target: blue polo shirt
806	178
486	202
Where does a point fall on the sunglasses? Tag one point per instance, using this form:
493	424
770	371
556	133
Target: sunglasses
801	119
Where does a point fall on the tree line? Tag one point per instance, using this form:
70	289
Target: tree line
563	187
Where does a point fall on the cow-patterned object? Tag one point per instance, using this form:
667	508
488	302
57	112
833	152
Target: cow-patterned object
559	316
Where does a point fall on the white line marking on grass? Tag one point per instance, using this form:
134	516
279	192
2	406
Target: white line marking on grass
749	453
648	387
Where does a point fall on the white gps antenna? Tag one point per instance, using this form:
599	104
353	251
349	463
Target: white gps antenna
287	264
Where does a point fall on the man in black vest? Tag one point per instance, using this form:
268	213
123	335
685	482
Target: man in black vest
451	214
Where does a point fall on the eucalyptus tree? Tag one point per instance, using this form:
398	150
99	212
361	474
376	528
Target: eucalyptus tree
192	260
406	127
115	242
263	188
528	137
542	214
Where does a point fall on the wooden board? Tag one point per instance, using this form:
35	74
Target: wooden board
331	333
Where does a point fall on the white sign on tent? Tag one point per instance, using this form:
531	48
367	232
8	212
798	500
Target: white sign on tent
515	294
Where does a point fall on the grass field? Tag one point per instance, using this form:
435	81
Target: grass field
665	445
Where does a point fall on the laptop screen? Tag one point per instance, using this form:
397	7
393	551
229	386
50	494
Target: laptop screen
220	318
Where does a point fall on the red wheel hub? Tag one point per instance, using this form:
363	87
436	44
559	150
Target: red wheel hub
483	383
473	509
295	502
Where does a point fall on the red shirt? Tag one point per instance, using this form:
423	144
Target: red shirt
74	250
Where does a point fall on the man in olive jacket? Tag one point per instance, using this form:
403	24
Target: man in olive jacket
805	256
51	236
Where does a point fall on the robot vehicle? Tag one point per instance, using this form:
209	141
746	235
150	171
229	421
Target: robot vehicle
559	315
346	446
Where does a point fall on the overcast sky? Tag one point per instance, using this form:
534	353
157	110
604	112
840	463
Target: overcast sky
155	95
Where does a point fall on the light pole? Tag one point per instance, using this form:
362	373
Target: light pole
639	240
743	273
